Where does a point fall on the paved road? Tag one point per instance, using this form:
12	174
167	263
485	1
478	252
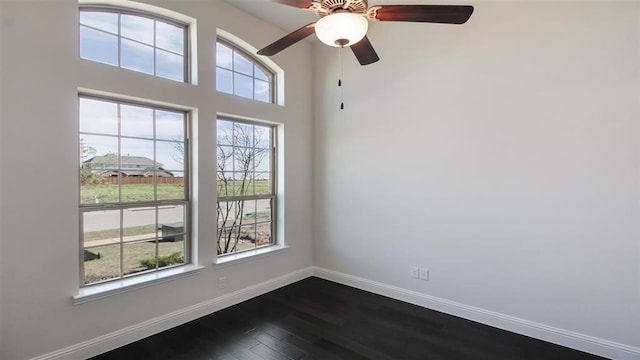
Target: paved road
110	219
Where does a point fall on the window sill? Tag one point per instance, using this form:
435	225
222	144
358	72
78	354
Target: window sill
99	291
249	255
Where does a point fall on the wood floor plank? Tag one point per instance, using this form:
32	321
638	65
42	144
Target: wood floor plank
322	320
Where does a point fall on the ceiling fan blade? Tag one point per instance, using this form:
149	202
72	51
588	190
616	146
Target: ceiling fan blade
364	52
443	14
288	40
302	4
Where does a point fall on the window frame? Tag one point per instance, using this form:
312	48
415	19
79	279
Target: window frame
273	196
186	202
187	48
271	73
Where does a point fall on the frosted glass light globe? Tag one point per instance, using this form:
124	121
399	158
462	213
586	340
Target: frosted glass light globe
341	29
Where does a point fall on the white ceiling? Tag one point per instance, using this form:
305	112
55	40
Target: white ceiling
286	17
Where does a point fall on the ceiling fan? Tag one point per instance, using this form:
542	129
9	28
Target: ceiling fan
344	23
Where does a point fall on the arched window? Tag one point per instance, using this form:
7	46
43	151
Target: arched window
239	73
133	40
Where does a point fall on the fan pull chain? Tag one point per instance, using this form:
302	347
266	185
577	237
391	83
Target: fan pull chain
341	78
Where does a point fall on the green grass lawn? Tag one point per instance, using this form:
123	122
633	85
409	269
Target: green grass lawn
108	193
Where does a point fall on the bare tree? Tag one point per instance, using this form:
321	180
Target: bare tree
244	157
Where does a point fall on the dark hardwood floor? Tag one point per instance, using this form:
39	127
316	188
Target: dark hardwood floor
319	319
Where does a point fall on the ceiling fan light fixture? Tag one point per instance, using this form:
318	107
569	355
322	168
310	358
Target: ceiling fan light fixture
341	29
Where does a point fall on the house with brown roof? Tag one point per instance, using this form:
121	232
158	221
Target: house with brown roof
128	166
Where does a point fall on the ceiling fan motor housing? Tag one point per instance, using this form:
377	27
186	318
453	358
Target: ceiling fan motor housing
326	7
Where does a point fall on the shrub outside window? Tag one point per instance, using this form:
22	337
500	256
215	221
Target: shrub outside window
246	186
134	41
240	74
134	189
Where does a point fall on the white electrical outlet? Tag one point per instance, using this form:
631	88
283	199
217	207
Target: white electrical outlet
424	274
414	272
222	282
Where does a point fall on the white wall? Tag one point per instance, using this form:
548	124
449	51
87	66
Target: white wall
41	73
503	154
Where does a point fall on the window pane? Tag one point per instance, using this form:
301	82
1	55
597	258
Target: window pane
171	187
172	228
247	228
262	137
139	224
99	169
263	184
262	91
171	253
137	155
243	85
101	227
101	250
170	125
169	157
259	74
101	263
224	57
169	65
224	80
98	46
136	56
243	160
138	257
263	222
137	170
136	121
106	21
242	185
243	134
170	37
98	116
247	239
262	160
225	184
241	64
137	28
171	220
225	158
225	132
228	240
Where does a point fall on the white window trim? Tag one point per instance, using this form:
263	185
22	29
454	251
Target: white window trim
243	256
111	288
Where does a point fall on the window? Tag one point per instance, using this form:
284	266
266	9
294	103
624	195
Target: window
134	189
246	185
240	74
134	41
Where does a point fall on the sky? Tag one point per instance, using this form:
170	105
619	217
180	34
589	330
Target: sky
158	48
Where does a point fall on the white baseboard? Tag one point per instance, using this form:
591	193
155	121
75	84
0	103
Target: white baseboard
551	334
136	332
